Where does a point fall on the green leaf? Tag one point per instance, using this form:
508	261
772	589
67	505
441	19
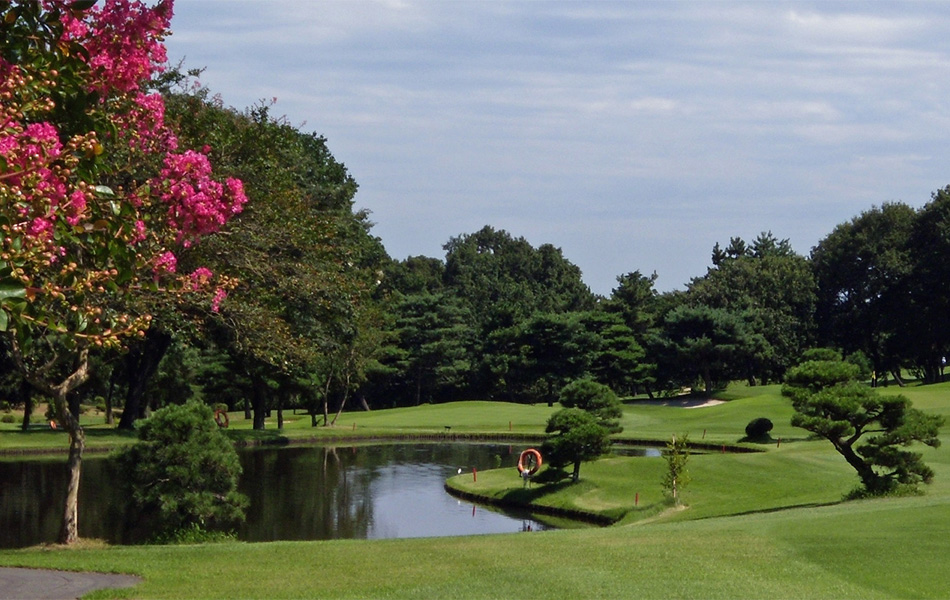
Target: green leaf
12	290
4	320
104	190
82	4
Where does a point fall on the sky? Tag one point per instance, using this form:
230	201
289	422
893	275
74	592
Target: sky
631	135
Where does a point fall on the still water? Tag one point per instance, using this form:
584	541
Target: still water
296	493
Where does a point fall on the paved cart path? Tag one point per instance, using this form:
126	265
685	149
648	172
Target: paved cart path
42	584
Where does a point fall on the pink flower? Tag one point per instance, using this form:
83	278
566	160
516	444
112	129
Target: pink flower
219	297
165	263
139	232
200	278
40	227
197	204
76	207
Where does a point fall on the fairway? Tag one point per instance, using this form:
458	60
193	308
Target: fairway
763	524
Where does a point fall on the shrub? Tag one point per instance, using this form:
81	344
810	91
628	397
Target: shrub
758	428
183	473
7	418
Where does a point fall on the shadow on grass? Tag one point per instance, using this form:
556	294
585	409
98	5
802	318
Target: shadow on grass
111	433
768	440
765	511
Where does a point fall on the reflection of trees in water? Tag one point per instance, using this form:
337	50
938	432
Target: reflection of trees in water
31	502
302	493
295	493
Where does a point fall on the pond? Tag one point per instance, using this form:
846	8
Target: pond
296	493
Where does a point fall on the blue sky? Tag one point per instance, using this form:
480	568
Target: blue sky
632	135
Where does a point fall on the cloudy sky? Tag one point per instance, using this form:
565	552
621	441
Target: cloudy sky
632	135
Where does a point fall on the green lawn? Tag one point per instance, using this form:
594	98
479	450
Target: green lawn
764	524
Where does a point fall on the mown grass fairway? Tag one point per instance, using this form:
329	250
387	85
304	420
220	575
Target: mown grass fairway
767	524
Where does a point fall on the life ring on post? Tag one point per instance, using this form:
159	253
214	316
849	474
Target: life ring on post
529	456
221	418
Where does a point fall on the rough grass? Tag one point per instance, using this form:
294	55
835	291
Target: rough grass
766	524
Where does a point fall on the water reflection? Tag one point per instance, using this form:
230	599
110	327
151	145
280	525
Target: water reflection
296	493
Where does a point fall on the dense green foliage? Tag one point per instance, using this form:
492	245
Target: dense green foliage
577	437
759	428
829	402
183	473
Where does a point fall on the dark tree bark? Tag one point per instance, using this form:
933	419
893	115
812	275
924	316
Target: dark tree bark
26	394
141	363
259	402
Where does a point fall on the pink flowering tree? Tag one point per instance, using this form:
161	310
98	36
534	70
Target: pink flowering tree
95	196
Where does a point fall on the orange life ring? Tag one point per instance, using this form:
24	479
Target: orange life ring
221	418
530	452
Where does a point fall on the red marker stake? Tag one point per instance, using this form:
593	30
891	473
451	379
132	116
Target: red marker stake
636	500
474	474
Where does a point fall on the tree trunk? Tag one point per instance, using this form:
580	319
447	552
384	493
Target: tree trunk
869	478
247	409
110	418
26	393
69	528
326	402
419	389
363	403
140	365
896	374
346	394
59	393
577	471
280	412
260	402
707	381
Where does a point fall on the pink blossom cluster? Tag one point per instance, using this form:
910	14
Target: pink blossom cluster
197	204
124	41
47	204
143	126
165	262
30	186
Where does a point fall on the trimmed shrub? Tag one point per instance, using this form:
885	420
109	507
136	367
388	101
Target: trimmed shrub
758	428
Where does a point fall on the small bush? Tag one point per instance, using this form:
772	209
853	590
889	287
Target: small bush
7	418
194	534
220	406
758	428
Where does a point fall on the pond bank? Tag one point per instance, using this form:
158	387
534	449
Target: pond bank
553	511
